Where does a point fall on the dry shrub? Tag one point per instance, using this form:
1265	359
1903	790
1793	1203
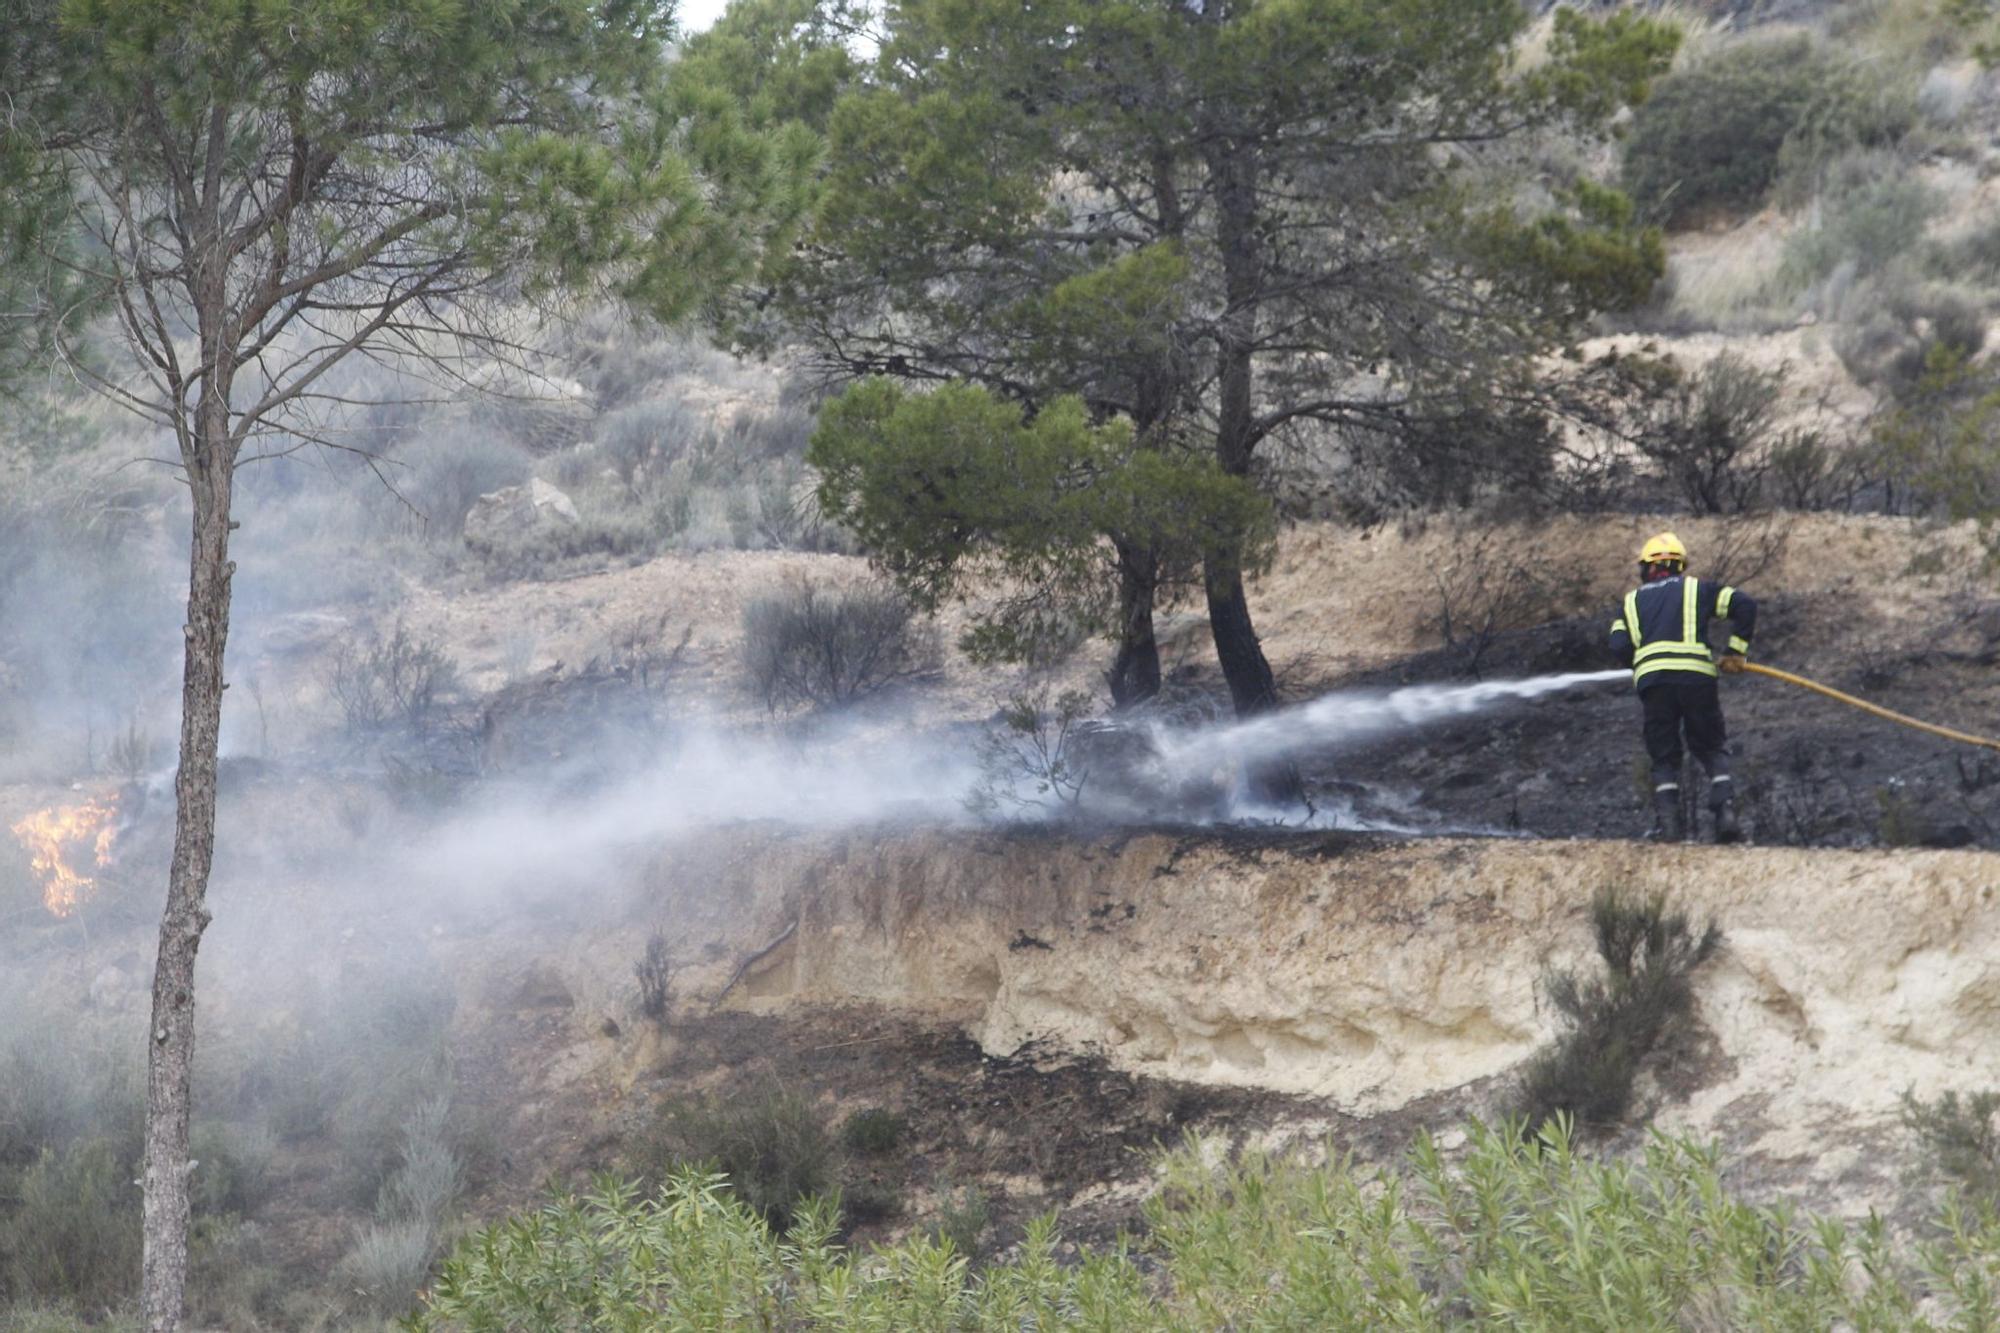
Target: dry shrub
1479	596
645	653
400	680
655	974
807	646
1745	546
1713	432
1650	955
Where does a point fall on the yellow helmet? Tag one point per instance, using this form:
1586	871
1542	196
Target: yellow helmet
1665	549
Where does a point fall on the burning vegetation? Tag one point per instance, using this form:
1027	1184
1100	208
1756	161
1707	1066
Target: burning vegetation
60	839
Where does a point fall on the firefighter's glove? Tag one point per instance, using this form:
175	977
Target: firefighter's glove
1732	663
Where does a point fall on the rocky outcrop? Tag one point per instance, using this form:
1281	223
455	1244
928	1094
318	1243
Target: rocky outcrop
503	516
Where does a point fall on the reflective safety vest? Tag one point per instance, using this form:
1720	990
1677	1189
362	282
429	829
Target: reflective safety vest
1689	652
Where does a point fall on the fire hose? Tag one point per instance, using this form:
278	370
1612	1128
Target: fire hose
1866	707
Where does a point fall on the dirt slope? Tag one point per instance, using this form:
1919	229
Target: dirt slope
1364	973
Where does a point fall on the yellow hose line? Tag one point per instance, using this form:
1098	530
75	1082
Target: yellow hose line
1867	707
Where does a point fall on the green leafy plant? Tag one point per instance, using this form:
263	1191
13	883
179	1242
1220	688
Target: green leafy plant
1614	1022
1518	1232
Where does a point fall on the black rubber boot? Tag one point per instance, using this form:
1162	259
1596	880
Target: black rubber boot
1726	827
1668	825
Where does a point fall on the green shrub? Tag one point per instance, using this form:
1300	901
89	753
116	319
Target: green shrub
1872	212
1937	449
232	1175
29	1317
873	1131
1717	136
1520	1234
1891	329
962	1220
393	1254
363	1057
72	1235
774	1150
1649	956
234	1280
389	1262
63	1079
1959	1139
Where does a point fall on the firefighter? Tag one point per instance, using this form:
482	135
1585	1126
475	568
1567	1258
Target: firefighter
1661	633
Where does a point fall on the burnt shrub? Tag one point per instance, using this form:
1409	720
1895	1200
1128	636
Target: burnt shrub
1650	955
807	646
1471	608
773	1147
655	974
868	1199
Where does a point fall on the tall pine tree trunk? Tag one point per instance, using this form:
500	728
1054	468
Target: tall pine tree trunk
210	469
1135	672
1237	650
1252	688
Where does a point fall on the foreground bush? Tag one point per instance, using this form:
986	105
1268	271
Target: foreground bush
1521	1234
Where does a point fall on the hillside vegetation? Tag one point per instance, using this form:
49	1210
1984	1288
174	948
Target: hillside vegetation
888	420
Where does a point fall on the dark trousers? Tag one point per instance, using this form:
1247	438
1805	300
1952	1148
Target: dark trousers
1677	702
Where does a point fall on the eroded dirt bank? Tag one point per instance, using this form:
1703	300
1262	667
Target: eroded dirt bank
1367	972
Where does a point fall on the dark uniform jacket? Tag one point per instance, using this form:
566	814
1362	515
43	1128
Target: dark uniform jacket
1663	626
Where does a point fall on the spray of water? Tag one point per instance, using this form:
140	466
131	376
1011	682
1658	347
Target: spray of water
1346	716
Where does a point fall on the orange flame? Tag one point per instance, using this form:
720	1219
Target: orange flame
52	838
